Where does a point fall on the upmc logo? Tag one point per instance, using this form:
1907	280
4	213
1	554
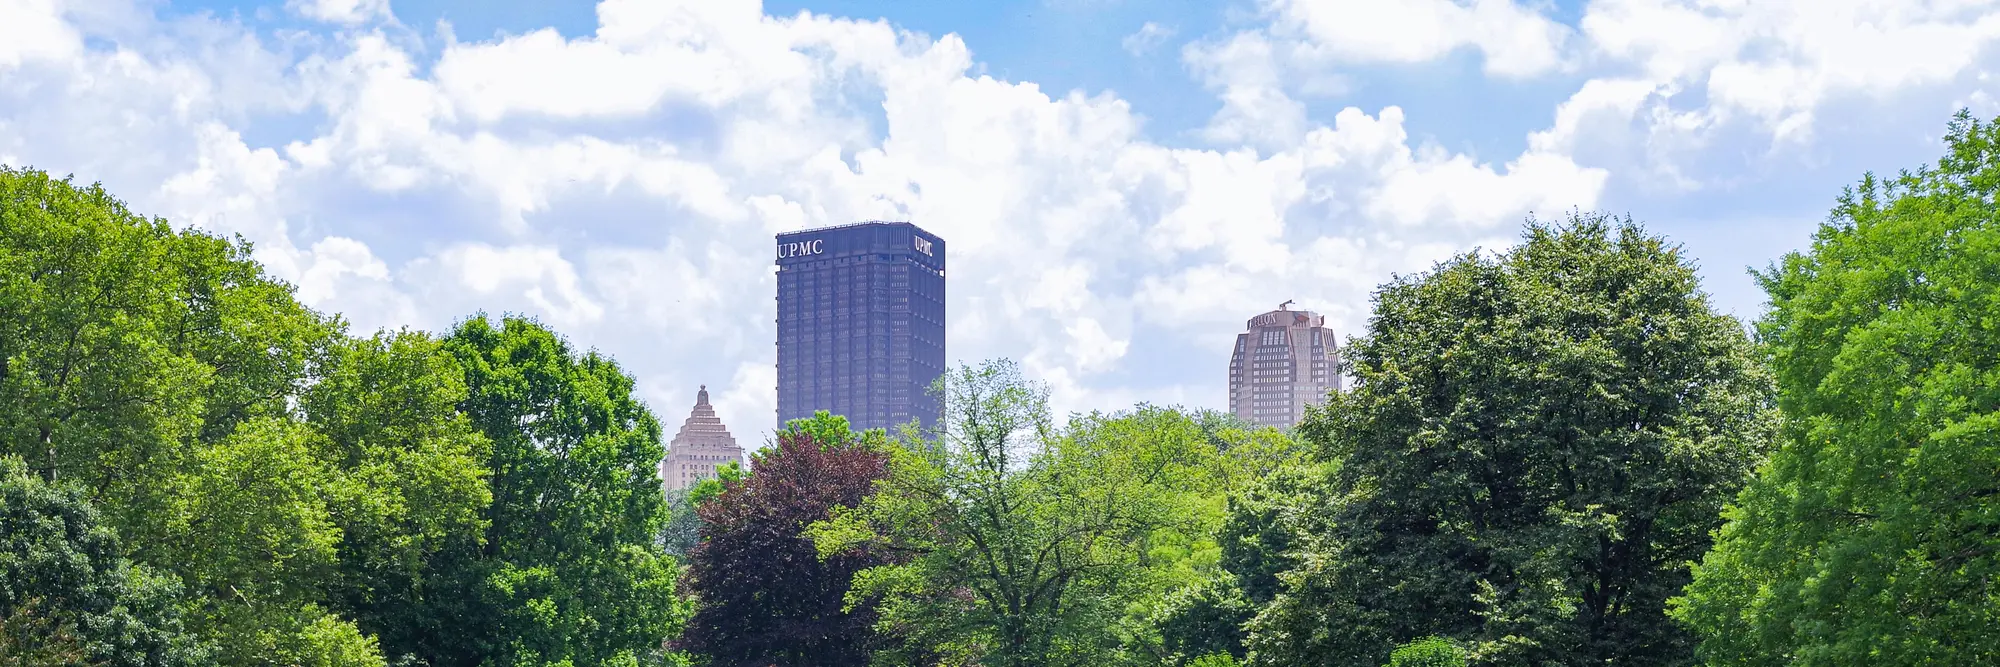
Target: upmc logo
922	244
800	248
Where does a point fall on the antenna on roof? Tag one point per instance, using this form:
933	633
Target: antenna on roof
1287	305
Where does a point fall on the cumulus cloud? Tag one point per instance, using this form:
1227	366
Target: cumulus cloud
1515	40
1662	79
1777	62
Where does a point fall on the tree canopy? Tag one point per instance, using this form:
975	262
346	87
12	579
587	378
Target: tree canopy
1026	544
68	595
1537	443
318	498
1873	536
569	568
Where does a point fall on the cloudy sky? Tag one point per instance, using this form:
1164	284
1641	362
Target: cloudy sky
1122	182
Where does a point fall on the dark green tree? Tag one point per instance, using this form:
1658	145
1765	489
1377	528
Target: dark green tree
1537	445
1873	536
570	568
68	595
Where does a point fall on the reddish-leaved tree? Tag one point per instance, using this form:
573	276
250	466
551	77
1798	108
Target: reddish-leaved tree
764	597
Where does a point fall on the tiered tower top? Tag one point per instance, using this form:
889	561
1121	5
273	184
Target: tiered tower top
702	446
703	428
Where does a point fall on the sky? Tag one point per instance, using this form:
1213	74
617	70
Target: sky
1123	183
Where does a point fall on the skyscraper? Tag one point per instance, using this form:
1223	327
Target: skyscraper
1286	360
860	323
702	446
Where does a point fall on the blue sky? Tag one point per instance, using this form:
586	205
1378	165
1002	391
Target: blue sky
1123	182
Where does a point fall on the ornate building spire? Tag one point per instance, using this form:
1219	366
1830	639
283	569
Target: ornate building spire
702	446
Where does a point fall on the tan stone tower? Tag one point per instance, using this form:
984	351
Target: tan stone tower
1287	360
702	446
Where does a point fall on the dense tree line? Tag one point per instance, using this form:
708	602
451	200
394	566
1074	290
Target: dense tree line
1559	453
197	469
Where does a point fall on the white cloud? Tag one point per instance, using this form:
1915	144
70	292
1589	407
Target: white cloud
1250	76
345	12
1149	37
1515	40
1666	80
1308	45
1777	63
35	29
528	279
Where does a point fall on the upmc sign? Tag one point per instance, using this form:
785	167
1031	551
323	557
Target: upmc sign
800	248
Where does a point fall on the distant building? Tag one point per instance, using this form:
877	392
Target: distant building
1286	360
702	446
861	323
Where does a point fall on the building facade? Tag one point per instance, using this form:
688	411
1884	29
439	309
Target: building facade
702	446
1287	359
861	323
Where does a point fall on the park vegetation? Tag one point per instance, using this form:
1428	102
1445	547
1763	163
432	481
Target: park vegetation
1558	453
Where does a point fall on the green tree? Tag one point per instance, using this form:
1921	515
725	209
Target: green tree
1427	652
1537	445
570	568
413	477
155	370
123	341
67	594
1025	545
1265	518
305	539
1873	535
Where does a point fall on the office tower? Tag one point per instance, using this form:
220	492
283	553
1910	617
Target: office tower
861	323
702	446
1286	360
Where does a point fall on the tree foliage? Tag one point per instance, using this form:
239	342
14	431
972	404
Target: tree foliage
68	596
1255	542
1873	536
1427	652
763	594
154	369
321	499
1536	446
123	341
569	568
1024	545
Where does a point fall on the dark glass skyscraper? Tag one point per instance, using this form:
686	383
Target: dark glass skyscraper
860	323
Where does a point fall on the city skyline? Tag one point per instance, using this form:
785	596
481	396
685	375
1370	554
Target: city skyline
1118	179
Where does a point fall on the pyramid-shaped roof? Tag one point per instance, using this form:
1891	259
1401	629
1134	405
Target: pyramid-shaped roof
702	428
